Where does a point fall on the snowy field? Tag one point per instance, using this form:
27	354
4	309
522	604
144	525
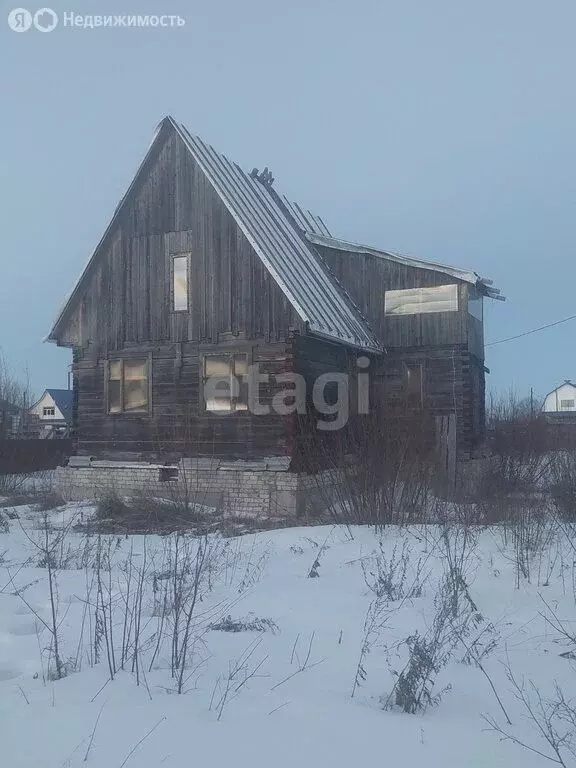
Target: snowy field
289	647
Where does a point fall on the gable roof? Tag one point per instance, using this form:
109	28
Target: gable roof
565	383
274	229
297	268
466	275
63	399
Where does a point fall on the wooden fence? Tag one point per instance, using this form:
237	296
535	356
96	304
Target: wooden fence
24	456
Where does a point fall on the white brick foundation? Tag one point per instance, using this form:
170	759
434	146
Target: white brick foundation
235	489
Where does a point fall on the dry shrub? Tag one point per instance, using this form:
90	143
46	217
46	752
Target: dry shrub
377	471
144	512
48	500
563	485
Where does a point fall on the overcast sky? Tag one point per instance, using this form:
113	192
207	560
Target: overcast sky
445	130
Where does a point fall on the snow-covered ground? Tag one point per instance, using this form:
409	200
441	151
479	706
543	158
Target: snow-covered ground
278	693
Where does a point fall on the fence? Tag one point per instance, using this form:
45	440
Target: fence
24	456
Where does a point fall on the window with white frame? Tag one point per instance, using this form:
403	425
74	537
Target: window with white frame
225	382
418	301
566	405
48	410
128	386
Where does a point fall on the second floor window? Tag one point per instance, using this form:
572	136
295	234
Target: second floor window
128	386
418	301
48	410
180	273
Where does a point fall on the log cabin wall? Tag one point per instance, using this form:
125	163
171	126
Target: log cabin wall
176	423
445	349
448	380
126	312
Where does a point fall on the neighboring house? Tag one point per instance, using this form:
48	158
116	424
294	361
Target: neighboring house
561	401
52	414
205	270
10	420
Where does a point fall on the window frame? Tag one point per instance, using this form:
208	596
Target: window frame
50	408
231	355
184	255
121	359
423	290
566	404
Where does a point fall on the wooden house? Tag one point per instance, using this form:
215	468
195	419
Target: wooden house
205	272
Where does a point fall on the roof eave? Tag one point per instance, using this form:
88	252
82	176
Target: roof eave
352	343
465	275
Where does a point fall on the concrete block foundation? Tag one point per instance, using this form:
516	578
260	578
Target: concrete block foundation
234	489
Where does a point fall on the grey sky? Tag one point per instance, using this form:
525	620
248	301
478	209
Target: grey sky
445	130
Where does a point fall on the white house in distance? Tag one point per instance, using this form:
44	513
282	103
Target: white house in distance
561	400
53	413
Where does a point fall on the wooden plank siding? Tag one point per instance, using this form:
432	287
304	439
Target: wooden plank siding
126	311
127	299
448	345
367	277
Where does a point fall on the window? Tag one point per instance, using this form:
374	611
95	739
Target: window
566	404
226	382
127	386
180	269
416	301
475	303
48	410
414	386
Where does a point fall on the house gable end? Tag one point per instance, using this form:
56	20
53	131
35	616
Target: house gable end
123	295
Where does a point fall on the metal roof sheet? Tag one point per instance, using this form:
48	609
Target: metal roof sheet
466	275
64	399
293	262
306	220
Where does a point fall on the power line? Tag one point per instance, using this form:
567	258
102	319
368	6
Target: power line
534	330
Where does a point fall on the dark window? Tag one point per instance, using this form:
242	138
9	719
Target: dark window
48	410
225	382
128	386
414	386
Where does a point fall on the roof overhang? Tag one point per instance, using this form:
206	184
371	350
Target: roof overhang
465	275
